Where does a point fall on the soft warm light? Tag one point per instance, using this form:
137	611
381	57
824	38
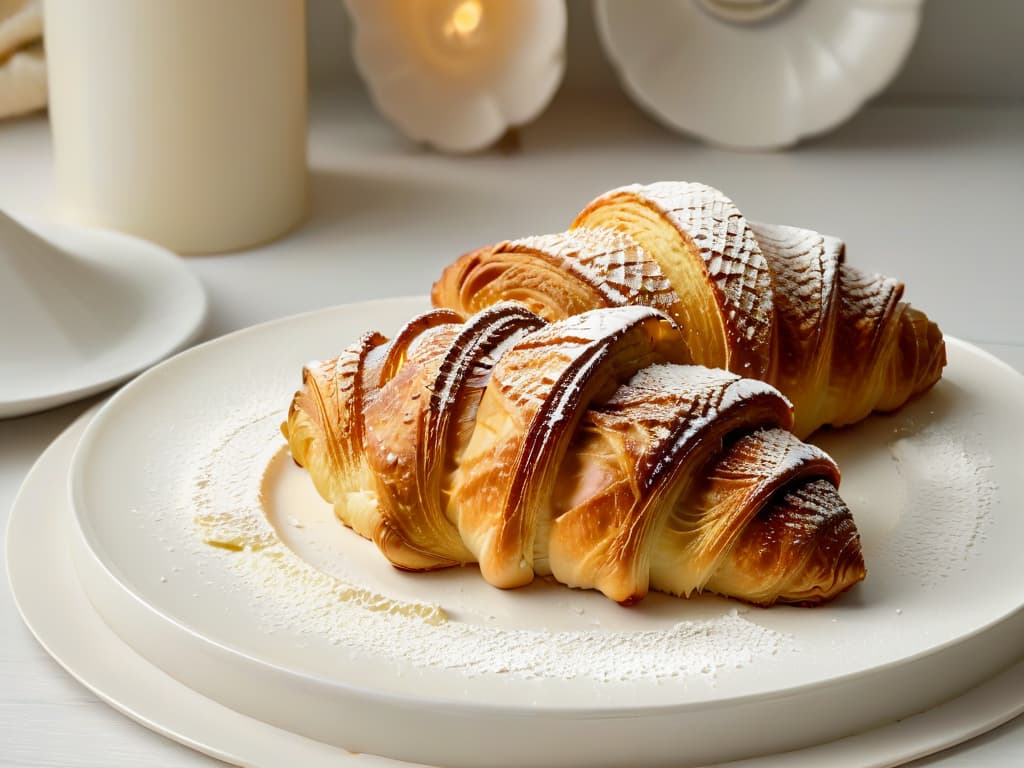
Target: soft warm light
464	21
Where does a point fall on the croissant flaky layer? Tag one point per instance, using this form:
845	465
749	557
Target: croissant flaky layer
771	302
588	450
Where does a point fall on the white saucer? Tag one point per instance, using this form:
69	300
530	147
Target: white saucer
88	314
57	611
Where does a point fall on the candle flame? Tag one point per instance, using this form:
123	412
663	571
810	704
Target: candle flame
464	21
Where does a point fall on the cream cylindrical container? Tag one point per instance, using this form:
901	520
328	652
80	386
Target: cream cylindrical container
180	121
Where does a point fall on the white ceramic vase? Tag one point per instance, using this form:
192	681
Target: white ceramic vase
457	74
756	74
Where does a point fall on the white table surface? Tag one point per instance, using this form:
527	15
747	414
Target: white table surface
933	195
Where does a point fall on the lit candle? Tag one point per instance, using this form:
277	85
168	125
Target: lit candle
457	74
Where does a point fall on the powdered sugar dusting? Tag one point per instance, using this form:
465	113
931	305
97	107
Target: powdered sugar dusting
228	500
287	593
528	373
611	262
662	397
728	248
773	453
948	477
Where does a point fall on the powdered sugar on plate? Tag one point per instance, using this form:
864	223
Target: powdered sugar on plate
950	492
288	593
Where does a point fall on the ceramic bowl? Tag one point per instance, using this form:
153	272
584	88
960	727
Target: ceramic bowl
756	74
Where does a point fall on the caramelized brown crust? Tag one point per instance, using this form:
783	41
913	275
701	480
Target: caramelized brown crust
765	301
803	547
325	428
558	275
537	393
584	450
805	277
707	250
665	424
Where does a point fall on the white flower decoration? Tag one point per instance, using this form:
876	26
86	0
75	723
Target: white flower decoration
457	74
756	74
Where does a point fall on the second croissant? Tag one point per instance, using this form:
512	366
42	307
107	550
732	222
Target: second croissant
588	450
769	302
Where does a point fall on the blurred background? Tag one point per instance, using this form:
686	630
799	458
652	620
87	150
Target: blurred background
968	52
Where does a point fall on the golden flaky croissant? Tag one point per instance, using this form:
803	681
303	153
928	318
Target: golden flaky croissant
586	450
766	301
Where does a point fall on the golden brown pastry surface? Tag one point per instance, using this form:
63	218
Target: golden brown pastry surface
587	450
766	301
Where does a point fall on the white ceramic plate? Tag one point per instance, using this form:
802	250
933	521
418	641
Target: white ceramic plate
934	490
151	306
56	609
